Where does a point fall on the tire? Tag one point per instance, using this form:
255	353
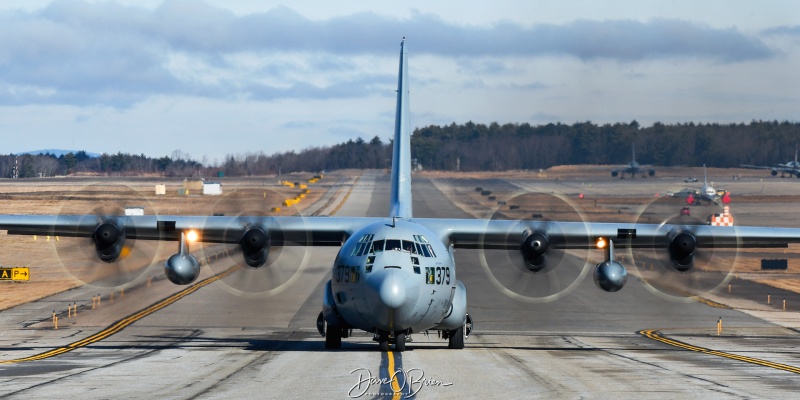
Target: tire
333	338
456	339
400	342
383	341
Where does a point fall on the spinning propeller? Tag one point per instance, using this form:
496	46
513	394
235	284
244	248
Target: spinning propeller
680	264
109	257
265	262
543	270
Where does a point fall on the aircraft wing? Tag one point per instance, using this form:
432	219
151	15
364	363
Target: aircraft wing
507	234
748	166
313	231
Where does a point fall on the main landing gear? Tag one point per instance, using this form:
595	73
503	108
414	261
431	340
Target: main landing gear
455	338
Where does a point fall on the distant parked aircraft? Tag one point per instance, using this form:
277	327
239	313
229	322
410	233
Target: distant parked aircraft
792	167
633	168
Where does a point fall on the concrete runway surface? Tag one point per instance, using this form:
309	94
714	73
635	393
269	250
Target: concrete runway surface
210	341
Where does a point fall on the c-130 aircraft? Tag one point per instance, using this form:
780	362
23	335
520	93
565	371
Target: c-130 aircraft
396	275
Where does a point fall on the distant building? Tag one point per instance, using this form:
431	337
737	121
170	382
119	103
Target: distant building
212	188
134	210
196	185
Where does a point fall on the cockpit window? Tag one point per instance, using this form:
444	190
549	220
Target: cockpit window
425	251
409	246
430	248
393	244
362	247
377	246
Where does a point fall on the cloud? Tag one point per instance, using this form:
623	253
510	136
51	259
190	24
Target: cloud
793	30
108	54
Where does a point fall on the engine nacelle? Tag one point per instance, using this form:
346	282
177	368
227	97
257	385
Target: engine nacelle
109	240
255	245
614	173
456	317
681	251
182	268
774	172
610	276
533	248
651	172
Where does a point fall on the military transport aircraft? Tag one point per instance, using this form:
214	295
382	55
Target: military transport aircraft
792	168
396	275
633	168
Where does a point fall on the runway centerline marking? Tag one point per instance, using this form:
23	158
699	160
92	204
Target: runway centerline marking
122	323
657	336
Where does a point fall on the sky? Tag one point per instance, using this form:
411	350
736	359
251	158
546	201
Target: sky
218	78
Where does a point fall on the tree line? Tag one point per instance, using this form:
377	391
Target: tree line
80	162
468	147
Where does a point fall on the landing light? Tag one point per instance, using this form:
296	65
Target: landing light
601	243
192	236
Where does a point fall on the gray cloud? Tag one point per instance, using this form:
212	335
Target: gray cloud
782	30
72	52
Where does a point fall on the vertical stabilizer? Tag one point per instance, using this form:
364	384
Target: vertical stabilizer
705	177
401	152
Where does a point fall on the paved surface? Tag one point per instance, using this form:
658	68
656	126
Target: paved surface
215	343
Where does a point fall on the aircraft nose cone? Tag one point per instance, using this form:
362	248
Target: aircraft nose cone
392	292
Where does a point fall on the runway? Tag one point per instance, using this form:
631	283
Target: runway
214	343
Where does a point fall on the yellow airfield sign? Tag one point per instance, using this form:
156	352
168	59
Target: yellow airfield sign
15	274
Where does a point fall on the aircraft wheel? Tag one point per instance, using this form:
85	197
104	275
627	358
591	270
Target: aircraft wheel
333	338
400	342
383	341
456	339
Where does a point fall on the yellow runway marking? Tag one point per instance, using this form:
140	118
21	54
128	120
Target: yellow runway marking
709	302
652	334
396	394
121	324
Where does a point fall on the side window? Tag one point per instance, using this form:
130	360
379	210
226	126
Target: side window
430	248
363	245
425	251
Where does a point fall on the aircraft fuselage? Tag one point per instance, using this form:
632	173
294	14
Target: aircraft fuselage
394	276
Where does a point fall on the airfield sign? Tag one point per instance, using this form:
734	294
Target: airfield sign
15	274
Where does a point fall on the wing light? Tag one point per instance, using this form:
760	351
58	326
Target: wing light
601	243
192	235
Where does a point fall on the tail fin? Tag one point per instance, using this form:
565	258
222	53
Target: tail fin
401	152
705	177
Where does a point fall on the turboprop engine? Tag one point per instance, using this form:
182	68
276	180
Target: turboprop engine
533	248
255	245
109	241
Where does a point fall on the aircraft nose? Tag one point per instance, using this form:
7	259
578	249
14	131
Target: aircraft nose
391	291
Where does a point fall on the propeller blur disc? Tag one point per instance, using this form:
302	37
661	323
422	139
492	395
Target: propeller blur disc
284	263
100	204
562	270
711	267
